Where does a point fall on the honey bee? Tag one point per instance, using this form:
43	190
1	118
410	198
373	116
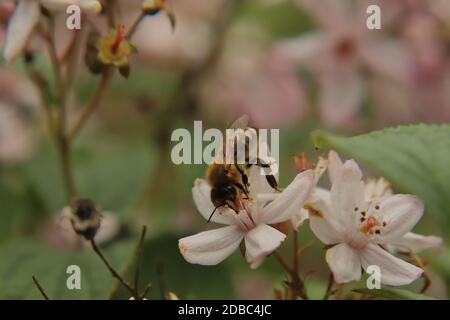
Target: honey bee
229	179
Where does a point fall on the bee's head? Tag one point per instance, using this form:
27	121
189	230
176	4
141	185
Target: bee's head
221	195
227	196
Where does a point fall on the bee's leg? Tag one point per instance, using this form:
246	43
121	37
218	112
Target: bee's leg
243	189
244	178
269	177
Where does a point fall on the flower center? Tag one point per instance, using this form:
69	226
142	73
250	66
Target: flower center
370	220
345	47
120	37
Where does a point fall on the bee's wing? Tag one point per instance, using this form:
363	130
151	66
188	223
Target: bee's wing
241	122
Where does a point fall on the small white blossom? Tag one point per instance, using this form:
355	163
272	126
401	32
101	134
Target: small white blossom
359	221
376	190
27	15
251	225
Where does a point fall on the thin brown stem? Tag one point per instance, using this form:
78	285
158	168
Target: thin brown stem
329	290
66	165
110	14
62	143
295	252
57	68
93	104
161	282
282	262
113	271
425	275
145	292
39	82
40	288
139	254
296	282
133	27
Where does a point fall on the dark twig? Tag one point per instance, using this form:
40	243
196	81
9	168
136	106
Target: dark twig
296	252
41	290
139	254
425	275
144	293
160	273
329	290
113	271
296	282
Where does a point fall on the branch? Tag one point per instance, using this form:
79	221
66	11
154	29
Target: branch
113	271
139	254
41	290
93	104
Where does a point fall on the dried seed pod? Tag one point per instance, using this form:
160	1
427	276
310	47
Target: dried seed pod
85	217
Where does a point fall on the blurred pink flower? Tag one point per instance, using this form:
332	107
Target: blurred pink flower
17	112
264	86
26	17
340	53
427	96
187	44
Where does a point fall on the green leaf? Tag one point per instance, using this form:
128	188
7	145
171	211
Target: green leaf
22	259
102	173
415	159
21	207
393	294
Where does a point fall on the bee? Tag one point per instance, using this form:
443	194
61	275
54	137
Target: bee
229	179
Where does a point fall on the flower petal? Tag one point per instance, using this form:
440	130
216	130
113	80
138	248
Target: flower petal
86	6
298	218
90	6
20	26
388	58
416	242
377	189
319	207
324	231
347	193
394	271
62	35
330	14
304	50
211	247
290	201
344	262
201	192
260	242
401	212
334	165
341	93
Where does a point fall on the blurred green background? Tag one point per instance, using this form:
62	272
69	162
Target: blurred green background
122	161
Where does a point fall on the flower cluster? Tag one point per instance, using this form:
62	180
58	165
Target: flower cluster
361	224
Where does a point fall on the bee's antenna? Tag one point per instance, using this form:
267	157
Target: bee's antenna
209	219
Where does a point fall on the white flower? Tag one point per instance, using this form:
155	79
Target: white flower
413	242
27	15
358	221
251	225
376	190
302	215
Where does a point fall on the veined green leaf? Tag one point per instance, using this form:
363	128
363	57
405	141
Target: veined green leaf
415	159
22	259
393	294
